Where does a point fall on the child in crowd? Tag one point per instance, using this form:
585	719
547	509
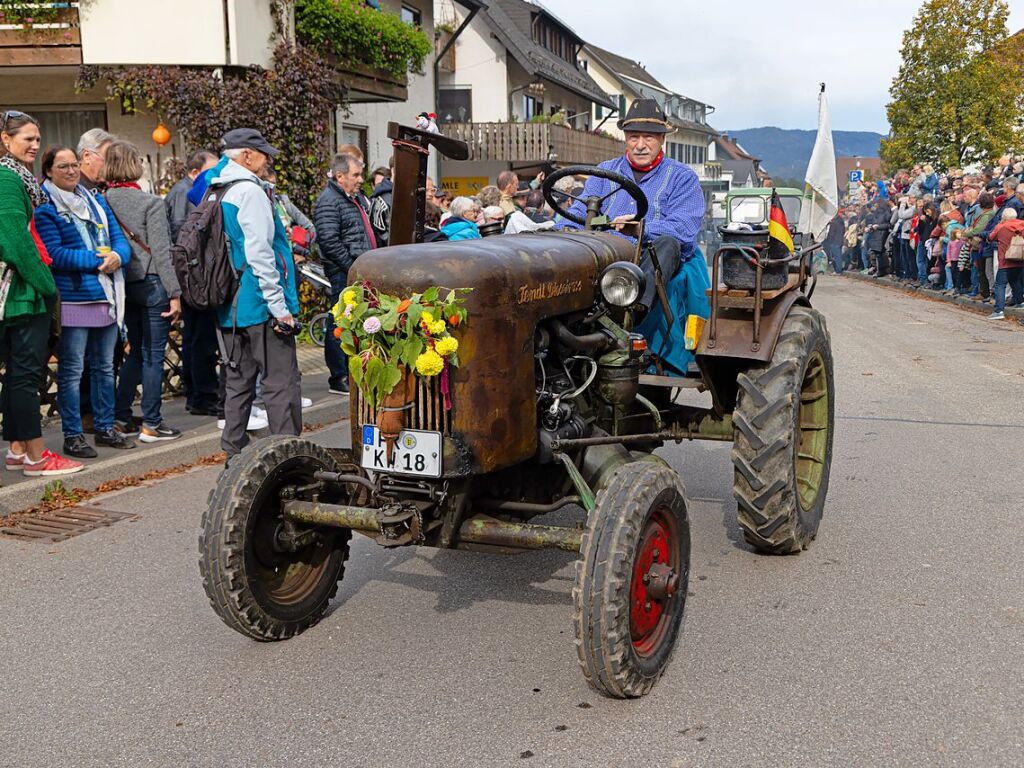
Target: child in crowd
953	273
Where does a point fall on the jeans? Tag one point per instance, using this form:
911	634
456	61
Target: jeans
77	345
922	264
949	277
835	257
199	357
337	362
1014	277
865	260
908	265
147	337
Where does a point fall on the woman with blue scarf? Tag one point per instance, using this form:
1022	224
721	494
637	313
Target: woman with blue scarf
88	250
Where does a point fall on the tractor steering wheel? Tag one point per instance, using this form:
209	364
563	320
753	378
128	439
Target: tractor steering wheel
593	203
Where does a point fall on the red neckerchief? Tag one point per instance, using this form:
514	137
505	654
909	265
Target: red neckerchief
123	185
646	168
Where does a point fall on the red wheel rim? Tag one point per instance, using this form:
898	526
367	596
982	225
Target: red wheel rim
656	575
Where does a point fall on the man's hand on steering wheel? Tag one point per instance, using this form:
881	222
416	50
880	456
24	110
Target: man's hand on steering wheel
594	203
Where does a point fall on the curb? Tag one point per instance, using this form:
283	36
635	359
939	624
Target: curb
15	498
915	290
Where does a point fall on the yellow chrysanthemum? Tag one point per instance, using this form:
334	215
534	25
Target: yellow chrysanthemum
349	297
437	327
447	347
427	318
429	363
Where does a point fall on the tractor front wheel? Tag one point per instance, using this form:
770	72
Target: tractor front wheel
631	583
782	448
265	577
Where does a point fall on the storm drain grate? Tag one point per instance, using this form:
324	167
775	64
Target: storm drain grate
61	524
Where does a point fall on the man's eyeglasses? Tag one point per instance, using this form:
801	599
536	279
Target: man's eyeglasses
67	167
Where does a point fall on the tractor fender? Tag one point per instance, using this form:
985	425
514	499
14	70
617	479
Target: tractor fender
733	350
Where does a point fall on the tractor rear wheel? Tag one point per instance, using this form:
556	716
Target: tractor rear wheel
782	448
262	580
631	582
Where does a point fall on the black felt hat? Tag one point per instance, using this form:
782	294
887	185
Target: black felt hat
645	116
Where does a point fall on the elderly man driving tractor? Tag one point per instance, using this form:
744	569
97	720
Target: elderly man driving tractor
501	380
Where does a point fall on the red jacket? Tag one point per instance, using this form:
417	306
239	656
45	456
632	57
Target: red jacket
1002	235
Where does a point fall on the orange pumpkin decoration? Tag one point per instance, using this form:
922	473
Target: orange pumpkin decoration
404	305
453	320
337	333
161	135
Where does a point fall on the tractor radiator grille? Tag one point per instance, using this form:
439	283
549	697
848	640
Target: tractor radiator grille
427	414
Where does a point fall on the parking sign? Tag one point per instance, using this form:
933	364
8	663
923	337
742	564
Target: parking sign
856	176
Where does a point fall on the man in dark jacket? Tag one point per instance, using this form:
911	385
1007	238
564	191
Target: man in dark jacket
345	233
380	210
177	199
877	232
833	244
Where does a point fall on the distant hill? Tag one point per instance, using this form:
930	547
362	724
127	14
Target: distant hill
785	153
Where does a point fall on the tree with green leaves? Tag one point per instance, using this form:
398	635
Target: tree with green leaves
959	94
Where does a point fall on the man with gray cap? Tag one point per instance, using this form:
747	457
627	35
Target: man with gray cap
257	327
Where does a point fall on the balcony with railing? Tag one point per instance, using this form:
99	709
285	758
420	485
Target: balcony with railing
533	143
40	36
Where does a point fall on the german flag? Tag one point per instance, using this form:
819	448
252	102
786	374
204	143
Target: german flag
780	242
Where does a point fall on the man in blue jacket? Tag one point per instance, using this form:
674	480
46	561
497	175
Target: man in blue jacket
672	224
256	326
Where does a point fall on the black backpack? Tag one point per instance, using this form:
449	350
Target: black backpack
201	257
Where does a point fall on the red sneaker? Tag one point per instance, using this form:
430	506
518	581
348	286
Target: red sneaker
15	462
51	465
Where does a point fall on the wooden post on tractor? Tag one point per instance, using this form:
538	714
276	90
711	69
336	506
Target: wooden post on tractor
412	149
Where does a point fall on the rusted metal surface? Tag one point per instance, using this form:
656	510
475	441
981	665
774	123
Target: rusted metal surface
479	529
517	281
734	336
498	533
702	424
61	524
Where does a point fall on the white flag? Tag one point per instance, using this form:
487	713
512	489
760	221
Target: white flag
821	200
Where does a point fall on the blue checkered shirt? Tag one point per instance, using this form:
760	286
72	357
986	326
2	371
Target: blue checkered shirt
675	201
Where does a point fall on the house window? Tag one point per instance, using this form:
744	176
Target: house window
455	105
353	134
412	16
532	107
598	111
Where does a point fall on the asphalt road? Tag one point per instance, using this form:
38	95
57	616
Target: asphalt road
896	639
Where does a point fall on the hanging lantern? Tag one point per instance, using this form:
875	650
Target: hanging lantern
161	135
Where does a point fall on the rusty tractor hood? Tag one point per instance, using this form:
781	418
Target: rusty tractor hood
517	281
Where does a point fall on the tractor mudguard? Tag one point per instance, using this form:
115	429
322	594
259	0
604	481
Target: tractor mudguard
733	350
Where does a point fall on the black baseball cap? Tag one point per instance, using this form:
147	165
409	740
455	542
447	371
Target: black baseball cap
248	138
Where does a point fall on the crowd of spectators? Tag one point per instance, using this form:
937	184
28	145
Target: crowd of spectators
955	233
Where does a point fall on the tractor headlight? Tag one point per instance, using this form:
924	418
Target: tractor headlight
622	284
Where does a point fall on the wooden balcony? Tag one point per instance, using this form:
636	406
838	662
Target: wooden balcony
367	85
533	143
58	42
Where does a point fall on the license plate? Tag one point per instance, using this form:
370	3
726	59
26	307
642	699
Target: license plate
416	452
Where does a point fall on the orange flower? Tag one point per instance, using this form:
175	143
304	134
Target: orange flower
337	333
404	305
453	320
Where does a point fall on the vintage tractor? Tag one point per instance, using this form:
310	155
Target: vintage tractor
557	405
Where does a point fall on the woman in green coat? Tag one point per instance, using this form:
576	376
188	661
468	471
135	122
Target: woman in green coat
27	293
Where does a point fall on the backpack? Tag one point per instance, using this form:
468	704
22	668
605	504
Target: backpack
201	257
380	219
1015	251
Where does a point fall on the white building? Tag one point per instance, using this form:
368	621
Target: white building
516	66
626	80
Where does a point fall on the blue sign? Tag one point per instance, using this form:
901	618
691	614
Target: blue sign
856	176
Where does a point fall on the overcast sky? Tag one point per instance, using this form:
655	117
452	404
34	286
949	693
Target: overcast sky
759	62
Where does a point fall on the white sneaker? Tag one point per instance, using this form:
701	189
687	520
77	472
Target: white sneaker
256	421
307	402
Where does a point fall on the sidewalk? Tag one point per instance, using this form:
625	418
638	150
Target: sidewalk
1015	313
200	437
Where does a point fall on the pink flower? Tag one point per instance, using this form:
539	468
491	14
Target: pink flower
348	310
371	324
